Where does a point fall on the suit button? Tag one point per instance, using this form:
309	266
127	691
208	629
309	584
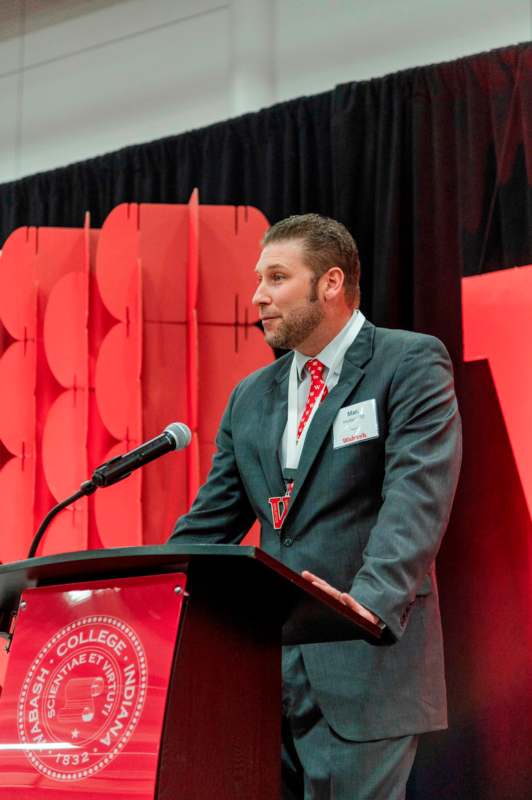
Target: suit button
287	541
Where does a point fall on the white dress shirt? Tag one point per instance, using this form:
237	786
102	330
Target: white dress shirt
332	354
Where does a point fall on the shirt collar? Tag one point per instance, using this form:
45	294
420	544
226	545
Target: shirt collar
329	352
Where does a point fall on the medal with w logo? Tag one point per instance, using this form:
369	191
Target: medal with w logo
279	508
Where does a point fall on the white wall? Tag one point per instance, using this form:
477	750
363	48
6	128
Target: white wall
79	78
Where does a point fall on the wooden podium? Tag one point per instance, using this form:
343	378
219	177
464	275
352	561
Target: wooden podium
152	672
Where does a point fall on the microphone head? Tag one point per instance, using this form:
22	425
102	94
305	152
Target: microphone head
180	433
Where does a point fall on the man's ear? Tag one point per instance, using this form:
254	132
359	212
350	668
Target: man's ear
333	283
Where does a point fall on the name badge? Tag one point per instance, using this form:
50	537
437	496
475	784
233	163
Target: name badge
355	424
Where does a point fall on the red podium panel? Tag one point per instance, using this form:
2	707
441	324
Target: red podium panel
84	699
92	671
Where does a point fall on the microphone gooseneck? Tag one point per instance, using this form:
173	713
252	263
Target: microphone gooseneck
175	436
87	487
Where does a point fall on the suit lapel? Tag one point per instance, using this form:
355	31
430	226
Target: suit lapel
273	422
355	358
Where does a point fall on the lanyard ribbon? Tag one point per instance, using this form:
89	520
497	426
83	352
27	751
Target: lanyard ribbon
294	445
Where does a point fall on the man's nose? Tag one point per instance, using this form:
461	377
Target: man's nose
260	297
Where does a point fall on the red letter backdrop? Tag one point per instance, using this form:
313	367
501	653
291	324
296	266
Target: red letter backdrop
109	335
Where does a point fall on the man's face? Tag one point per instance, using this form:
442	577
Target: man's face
286	295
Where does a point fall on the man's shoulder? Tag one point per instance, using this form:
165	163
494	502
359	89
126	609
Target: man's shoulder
408	357
401	341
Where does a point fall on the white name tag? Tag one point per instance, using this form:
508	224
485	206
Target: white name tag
355	424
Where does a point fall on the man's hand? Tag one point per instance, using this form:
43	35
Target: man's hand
343	597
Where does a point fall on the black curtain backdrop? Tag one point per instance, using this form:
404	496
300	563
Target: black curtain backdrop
431	169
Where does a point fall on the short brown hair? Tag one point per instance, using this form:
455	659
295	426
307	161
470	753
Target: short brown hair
327	244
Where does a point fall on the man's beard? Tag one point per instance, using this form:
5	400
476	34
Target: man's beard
296	326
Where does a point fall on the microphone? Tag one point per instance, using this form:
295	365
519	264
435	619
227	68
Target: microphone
175	436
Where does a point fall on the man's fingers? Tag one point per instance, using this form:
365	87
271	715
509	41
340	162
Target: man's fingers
309	576
321	584
326	587
362	610
316	581
343	597
347	600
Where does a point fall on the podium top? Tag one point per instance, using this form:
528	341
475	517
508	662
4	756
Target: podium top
306	613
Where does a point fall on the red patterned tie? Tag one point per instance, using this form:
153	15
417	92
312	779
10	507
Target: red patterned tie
315	369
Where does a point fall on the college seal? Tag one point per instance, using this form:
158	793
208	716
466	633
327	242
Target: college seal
83	696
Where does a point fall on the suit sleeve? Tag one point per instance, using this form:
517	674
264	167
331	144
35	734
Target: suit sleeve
422	462
221	513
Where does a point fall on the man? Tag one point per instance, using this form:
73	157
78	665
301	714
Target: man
348	452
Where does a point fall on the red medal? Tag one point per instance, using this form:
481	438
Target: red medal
279	507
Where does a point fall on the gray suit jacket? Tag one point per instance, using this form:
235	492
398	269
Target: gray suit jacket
368	518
